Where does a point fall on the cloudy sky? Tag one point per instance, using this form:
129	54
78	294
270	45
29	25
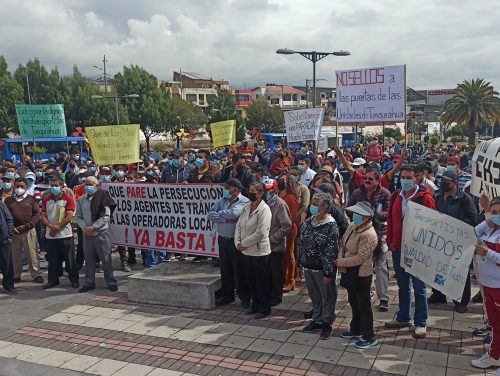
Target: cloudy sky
441	41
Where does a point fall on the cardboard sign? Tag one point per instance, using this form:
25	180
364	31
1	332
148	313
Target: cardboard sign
41	120
223	133
303	125
114	144
437	249
486	169
371	94
322	144
166	217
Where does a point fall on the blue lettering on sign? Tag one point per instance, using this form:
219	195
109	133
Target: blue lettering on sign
439	280
417	255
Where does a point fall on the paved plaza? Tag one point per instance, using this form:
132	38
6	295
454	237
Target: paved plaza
61	332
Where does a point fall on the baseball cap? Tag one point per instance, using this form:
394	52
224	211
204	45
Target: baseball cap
234	183
325	188
362	208
269	183
451	175
176	152
105	170
373	165
327	168
359	162
454	159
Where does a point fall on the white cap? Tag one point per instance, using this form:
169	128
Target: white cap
359	162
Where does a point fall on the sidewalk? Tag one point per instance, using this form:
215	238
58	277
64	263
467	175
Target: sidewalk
101	333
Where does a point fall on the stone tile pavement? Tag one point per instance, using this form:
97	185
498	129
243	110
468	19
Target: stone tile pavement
101	333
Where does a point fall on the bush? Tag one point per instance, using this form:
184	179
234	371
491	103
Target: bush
456	139
159	148
37	150
434	140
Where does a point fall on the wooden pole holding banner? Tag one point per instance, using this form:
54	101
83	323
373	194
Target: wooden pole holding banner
406	117
67	145
337	134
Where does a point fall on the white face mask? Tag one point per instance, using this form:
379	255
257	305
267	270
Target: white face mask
20	192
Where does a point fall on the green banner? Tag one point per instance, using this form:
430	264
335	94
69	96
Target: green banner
41	120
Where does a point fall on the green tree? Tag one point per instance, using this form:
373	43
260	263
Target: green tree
223	107
475	102
264	118
152	109
394	133
186	115
11	93
44	86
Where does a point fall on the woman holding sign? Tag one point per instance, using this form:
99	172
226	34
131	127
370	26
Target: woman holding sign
488	265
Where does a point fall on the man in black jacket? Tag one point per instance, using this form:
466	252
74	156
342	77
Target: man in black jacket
175	169
237	170
459	205
6	234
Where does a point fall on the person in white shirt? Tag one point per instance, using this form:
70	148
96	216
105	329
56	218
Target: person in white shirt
307	175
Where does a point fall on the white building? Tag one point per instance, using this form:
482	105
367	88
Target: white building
280	95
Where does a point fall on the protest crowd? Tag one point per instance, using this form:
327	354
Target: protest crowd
287	215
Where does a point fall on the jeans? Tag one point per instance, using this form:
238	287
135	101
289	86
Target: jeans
360	302
405	280
148	258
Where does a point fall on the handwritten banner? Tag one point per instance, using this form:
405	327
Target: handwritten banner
114	144
437	249
303	125
223	133
322	144
166	217
486	169
371	94
41	120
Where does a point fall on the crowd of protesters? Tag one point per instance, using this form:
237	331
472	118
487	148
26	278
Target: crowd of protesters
286	215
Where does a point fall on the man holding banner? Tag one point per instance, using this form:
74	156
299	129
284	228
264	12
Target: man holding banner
409	191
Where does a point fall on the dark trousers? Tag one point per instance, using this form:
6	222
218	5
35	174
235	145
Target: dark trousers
6	266
80	258
59	250
259	282
277	276
362	315
39	235
465	296
232	270
122	251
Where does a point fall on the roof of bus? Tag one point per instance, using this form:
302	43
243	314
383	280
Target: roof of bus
47	139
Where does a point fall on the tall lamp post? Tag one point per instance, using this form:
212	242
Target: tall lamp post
115	97
313	56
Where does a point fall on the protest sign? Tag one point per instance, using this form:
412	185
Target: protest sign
437	249
486	169
322	144
166	217
223	133
371	94
303	125
41	120
114	144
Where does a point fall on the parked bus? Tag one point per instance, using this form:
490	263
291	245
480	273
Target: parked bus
13	148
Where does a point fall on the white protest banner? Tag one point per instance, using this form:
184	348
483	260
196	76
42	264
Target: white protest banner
166	217
486	169
371	94
437	249
303	125
322	144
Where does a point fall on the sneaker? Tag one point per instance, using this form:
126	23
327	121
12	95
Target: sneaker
349	334
38	279
172	259
478	298
383	306
486	361
198	258
365	344
420	332
436	299
395	324
482	331
113	288
125	267
312	327
326	331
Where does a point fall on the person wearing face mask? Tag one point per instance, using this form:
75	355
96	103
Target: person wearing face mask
425	178
57	211
260	154
356	256
410	191
237	170
453	165
460	205
30	178
225	214
26	213
279	164
303	195
204	171
319	242
105	174
174	170
6	235
71	176
251	238
279	234
93	213
120	172
7	185
307	174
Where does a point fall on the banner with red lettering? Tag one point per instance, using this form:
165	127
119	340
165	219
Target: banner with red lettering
165	217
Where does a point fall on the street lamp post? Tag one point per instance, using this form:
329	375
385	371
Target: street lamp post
313	56
115	97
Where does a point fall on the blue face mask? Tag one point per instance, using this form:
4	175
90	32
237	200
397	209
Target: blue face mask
496	219
39	174
30	183
81	180
199	162
451	168
120	174
55	190
407	184
176	163
226	193
301	168
357	219
313	209
294	178
90	189
92	169
7	186
303	150
277	149
106	178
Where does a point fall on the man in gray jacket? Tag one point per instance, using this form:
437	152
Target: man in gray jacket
93	212
281	225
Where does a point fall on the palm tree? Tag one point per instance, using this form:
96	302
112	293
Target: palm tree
474	102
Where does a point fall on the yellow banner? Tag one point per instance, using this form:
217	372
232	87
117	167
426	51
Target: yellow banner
223	133
114	144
